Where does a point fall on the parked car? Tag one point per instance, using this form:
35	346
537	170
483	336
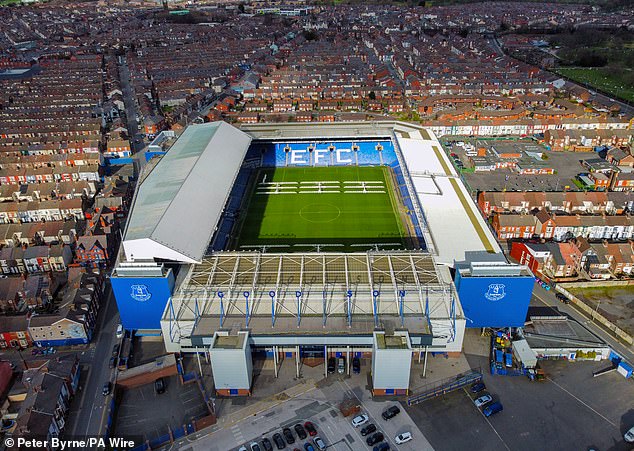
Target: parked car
115	350
310	428
374	438
360	420
266	443
390	413
356	365
120	331
113	362
332	362
369	429
319	443
309	447
492	409
243	448
403	438
629	435
300	431
477	387
279	441
562	298
107	388
341	365
381	447
288	436
254	446
483	400
159	386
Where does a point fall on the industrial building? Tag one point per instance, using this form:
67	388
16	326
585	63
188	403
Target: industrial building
181	275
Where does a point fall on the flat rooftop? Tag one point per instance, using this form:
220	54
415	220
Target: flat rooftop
229	341
455	224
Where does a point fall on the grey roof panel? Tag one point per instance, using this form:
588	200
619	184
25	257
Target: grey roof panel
180	202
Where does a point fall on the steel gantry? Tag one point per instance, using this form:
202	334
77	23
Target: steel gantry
376	283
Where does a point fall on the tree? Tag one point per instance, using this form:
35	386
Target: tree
372	95
241	8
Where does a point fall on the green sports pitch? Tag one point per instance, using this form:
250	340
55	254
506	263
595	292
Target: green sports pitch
348	208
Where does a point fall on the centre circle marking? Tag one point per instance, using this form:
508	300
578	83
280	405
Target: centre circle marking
320	213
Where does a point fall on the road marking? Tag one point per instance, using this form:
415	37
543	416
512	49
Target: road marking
582	402
486	419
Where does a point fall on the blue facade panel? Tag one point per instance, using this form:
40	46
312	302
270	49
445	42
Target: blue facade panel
142	300
495	301
64	342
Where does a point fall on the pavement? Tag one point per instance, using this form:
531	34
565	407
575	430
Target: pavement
287	399
87	415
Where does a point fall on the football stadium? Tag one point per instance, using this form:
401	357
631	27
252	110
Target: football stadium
311	241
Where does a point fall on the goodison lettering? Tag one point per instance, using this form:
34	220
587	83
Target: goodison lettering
300	156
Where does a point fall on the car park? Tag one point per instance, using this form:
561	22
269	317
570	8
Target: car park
390	413
255	447
374	438
356	365
310	428
279	441
107	388
360	420
300	431
477	387
368	429
266	443
492	409
308	447
319	443
483	400
403	437
332	362
288	436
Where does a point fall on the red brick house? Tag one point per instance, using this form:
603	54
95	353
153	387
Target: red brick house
14	333
513	226
92	251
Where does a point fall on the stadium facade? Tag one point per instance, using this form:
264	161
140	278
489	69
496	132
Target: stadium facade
184	272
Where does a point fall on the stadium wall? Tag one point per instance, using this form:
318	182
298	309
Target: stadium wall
142	300
494	301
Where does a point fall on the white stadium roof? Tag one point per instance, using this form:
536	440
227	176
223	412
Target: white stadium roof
179	203
456	226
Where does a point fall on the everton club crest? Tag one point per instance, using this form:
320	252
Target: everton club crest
140	293
495	292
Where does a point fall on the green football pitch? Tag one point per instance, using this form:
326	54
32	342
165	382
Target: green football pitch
338	208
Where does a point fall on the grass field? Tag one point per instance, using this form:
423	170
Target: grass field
608	81
339	208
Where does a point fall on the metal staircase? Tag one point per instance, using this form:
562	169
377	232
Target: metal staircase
444	386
